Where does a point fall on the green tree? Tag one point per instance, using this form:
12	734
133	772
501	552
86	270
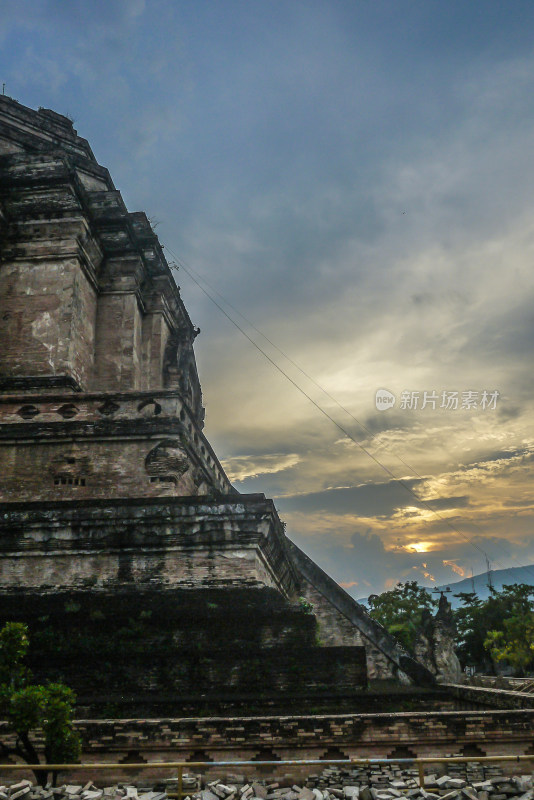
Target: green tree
471	627
27	706
496	629
515	644
400	610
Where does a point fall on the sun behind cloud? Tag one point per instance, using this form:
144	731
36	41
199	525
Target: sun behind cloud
421	547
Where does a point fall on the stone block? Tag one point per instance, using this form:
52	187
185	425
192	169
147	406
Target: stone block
20	793
469	793
304	794
207	794
15	787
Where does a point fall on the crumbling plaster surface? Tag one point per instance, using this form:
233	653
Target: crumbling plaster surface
172	541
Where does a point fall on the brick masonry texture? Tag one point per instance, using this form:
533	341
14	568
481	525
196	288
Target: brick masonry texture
404	735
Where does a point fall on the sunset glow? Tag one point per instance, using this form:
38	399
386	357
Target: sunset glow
420	547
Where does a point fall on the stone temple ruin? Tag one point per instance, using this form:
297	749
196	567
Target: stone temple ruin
150	585
121	534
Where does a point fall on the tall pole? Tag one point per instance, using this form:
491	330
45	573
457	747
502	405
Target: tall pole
490	581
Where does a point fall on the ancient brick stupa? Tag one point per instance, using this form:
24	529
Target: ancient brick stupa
149	584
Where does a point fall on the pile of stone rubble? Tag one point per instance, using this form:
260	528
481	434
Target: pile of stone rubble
26	790
470	781
462	782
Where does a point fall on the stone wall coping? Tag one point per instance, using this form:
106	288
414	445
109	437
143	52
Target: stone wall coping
133	394
375	717
209	504
488	689
460	689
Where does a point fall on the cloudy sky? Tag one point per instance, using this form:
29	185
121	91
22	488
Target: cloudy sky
356	177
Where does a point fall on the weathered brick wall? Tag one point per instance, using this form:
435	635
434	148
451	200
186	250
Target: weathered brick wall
406	735
47	320
214	565
373	735
335	629
153	651
100	469
155	337
118	356
23	127
101	442
168	542
112	575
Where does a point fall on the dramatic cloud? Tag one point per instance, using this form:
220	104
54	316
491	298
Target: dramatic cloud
241	468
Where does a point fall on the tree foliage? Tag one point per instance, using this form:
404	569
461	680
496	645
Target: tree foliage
27	706
400	610
500	628
515	644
